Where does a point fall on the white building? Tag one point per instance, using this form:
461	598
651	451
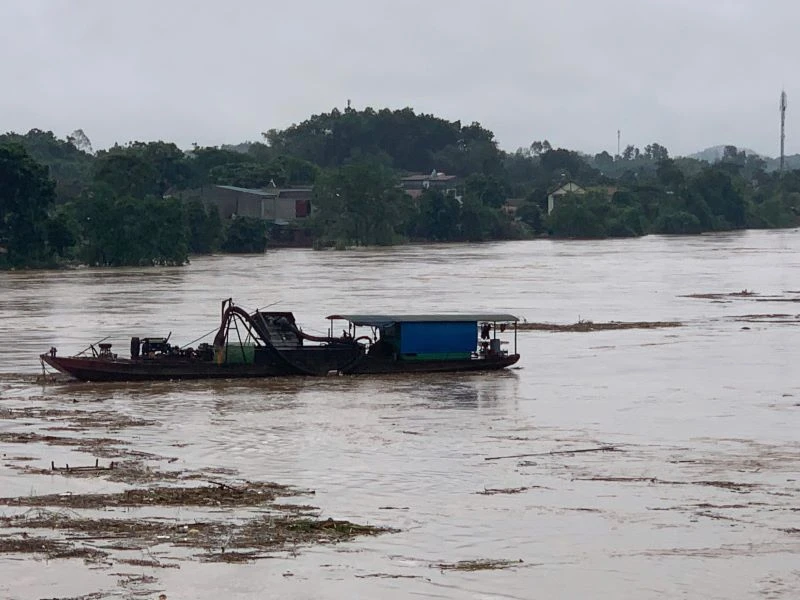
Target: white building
561	191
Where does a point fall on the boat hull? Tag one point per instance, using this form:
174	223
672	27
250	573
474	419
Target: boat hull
122	369
376	366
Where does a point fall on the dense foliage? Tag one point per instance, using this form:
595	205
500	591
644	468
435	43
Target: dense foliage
245	235
360	204
26	193
400	139
134	204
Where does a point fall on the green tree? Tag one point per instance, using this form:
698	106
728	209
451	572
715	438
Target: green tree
565	164
573	218
725	201
140	169
630	152
488	189
62	231
655	152
531	214
247	175
677	222
202	160
669	174
360	204
68	165
603	160
204	227
439	217
293	170
408	141
245	235
26	193
592	215
132	231
478	221
126	174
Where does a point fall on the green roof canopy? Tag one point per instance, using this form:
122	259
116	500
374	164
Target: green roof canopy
383	320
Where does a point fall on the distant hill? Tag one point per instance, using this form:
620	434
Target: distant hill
714	153
791	163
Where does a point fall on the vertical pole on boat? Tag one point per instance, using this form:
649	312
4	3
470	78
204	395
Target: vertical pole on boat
241	344
515	337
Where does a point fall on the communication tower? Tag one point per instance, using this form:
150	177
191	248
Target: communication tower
783	124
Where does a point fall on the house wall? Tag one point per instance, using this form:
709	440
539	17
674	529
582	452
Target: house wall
225	200
294	204
556	195
280	205
235	202
551	203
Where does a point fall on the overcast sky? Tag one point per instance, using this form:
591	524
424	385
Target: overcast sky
685	73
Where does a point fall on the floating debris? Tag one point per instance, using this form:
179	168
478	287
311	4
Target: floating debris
223	541
391	576
587	326
481	564
231	557
80	419
250	494
554	452
103	447
83	469
728	485
153	564
775	318
791	296
493	491
31	545
721	295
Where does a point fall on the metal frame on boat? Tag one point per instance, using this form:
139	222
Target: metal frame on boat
270	344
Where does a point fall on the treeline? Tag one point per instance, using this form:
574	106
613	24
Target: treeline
60	201
652	193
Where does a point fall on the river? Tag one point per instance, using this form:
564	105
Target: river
699	498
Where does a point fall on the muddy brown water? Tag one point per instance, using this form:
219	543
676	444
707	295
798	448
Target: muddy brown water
699	498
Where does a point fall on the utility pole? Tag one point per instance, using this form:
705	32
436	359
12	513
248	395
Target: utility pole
618	138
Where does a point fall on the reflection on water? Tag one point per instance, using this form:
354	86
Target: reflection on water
698	498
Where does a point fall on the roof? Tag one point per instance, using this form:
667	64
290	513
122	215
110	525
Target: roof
271	192
570	186
253	191
383	320
430	177
295	192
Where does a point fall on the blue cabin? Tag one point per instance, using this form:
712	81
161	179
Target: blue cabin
432	337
